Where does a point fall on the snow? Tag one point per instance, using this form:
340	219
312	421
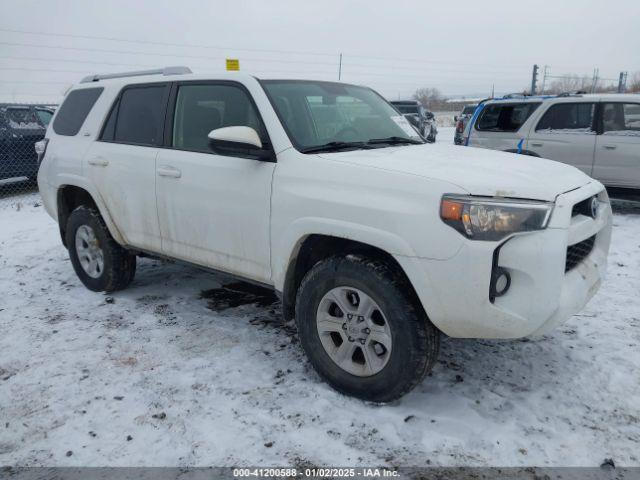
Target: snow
623	133
445	119
82	371
586	130
25	125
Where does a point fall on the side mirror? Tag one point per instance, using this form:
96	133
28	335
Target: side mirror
238	136
455	118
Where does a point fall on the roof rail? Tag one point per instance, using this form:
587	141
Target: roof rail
138	73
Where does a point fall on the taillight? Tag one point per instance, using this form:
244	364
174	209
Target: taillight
41	149
460	126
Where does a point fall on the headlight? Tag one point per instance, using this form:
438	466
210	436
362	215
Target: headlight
482	218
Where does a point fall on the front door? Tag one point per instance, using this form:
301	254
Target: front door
617	161
214	206
566	133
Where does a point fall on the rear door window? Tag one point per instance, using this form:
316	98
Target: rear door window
140	115
568	118
621	119
505	117
74	110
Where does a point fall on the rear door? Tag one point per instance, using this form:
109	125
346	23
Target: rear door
122	165
617	153
498	124
566	133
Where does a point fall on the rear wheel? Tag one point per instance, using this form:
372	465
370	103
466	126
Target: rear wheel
98	260
362	329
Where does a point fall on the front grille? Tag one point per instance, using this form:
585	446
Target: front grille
578	252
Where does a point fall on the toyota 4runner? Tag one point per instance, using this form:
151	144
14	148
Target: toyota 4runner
376	242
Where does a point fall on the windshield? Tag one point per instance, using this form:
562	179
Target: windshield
325	115
468	110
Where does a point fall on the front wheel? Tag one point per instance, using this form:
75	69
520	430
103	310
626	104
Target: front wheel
362	329
101	264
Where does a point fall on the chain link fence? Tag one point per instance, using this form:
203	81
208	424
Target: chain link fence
21	126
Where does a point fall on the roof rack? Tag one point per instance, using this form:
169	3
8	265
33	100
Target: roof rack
138	73
577	93
516	95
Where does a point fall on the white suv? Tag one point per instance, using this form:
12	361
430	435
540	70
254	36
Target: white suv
599	134
375	241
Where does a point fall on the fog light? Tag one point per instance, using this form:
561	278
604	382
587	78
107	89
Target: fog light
500	282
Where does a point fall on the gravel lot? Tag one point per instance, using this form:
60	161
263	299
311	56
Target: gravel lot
177	371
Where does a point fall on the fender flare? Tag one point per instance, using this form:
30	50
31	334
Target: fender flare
286	248
81	182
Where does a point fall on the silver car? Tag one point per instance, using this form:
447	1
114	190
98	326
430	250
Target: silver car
599	133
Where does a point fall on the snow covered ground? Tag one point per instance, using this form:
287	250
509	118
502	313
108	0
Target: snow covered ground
175	372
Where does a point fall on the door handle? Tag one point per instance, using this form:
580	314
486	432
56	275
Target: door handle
169	172
610	147
98	162
537	144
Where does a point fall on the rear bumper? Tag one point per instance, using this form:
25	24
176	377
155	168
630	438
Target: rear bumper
455	292
49	197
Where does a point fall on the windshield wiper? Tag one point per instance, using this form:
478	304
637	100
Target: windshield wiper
335	146
395	141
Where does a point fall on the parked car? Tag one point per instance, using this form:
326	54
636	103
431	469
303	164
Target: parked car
461	122
21	126
422	119
375	241
599	134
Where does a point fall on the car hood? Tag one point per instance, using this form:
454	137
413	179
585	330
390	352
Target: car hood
478	171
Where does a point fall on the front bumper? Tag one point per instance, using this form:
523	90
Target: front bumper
455	292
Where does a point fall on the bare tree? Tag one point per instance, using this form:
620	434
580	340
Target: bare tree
569	83
430	98
576	83
633	86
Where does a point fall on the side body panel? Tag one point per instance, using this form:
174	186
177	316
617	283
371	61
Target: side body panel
398	213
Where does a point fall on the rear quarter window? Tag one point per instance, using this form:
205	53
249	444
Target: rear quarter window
505	117
74	110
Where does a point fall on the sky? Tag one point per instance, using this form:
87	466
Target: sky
460	47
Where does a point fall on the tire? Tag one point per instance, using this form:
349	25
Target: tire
118	265
414	339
